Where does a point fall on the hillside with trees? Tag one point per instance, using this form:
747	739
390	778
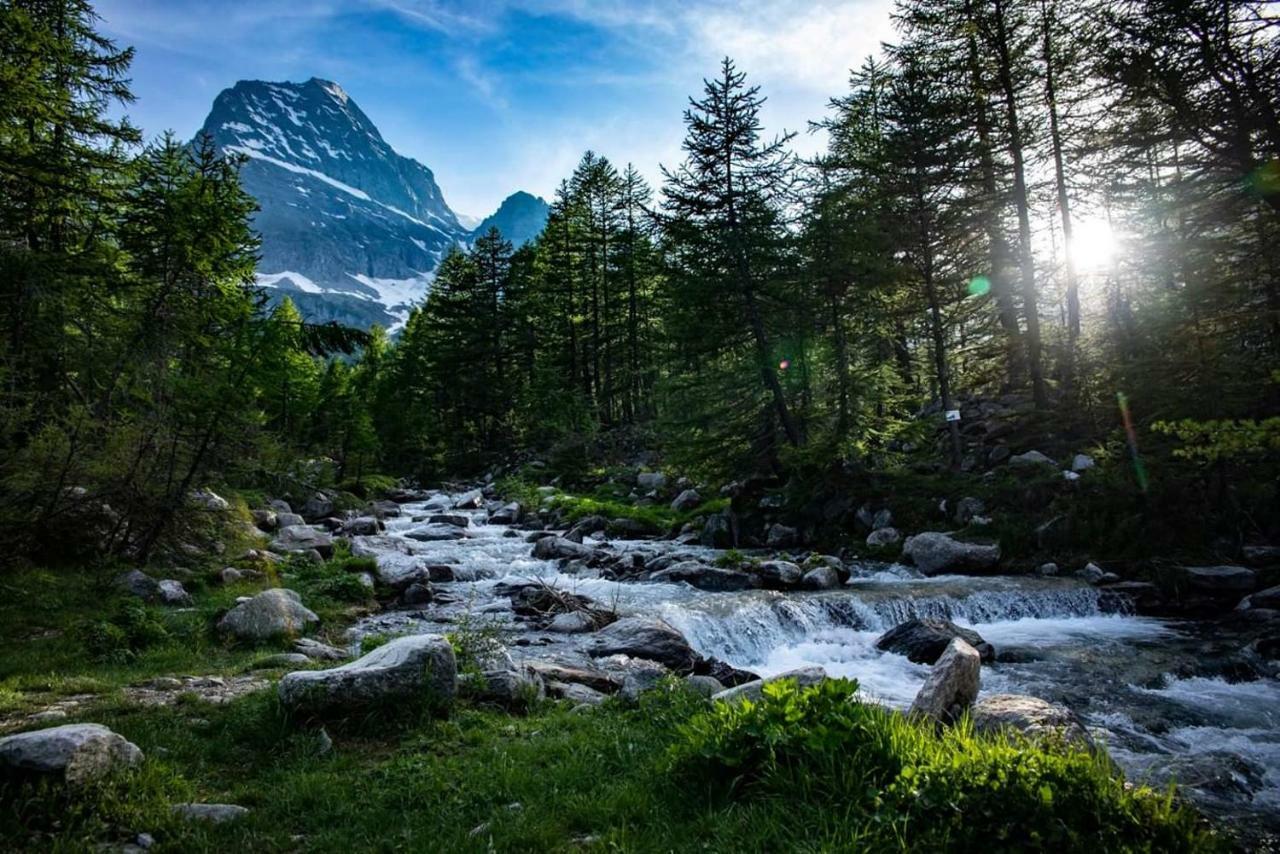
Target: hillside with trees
1019	318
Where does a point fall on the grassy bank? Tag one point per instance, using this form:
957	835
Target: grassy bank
806	771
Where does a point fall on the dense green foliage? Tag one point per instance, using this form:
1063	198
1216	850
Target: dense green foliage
1075	202
909	786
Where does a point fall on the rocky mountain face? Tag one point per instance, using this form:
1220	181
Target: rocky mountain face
351	230
521	218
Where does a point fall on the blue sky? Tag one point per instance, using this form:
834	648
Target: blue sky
500	95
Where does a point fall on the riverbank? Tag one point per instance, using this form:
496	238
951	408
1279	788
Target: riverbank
556	775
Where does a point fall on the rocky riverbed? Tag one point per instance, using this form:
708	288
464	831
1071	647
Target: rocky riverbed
1170	699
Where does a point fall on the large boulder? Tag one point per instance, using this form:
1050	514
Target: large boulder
934	553
508	514
469	500
820	578
287	519
72	753
1218	580
436	533
135	582
1031	458
302	538
952	685
318	506
805	677
171	592
704	577
457	520
362	526
411	668
555	548
645	637
271	614
686	500
651	480
882	538
498	679
1031	716
210	500
925	640
779	574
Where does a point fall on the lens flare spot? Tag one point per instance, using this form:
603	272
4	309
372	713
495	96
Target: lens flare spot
784	364
979	286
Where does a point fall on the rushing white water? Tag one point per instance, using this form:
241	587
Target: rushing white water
1056	639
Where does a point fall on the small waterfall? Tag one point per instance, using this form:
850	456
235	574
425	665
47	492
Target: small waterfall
752	628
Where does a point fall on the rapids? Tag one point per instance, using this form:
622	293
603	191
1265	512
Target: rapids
1163	696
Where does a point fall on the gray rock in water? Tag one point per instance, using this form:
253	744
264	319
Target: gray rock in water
1269	598
555	548
509	514
805	677
212	813
925	640
779	574
436	533
135	582
457	520
781	536
1031	458
171	592
952	685
410	668
303	538
1047	570
1031	716
1095	575
935	553
469	500
820	578
571	622
704	577
362	526
1218	580
72	753
272	613
644	637
884	537
686	500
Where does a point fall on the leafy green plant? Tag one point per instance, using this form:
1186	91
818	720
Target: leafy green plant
131	629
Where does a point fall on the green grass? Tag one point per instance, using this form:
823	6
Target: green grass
811	772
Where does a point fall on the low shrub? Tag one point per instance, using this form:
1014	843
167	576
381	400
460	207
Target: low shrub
118	639
949	791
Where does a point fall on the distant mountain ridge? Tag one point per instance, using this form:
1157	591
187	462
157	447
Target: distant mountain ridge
521	218
351	230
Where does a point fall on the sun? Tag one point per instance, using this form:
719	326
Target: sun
1094	246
